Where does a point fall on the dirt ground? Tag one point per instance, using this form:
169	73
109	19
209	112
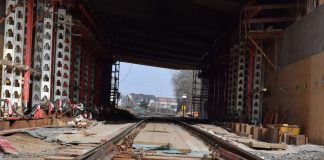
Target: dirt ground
26	143
30	147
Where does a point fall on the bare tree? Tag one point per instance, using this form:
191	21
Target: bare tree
182	84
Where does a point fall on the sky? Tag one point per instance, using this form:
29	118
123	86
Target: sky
136	78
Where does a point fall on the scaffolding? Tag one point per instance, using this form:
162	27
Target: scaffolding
199	96
114	94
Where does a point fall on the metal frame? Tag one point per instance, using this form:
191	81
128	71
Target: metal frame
43	53
63	55
257	84
14	51
75	73
115	84
199	95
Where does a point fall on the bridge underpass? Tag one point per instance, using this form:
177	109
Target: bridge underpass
170	34
258	64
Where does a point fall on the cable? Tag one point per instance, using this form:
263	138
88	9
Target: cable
129	69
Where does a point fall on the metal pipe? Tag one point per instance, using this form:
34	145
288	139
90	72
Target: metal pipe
262	52
41	16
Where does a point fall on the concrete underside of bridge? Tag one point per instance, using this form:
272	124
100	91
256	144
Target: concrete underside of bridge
259	58
200	35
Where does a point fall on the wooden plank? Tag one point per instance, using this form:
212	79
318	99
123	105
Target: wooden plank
169	158
58	158
298	140
72	152
256	133
81	147
264	134
237	127
247	129
265	145
242	127
69	154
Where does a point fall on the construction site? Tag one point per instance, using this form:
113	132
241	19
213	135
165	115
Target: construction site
256	85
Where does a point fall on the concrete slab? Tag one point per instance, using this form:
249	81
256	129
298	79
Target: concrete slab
94	134
169	133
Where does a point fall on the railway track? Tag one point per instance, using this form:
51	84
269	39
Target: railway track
120	147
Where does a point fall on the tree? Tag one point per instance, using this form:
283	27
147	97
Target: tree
182	84
144	104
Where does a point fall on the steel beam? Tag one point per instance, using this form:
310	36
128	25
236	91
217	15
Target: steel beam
89	60
271	6
153	45
270	20
97	83
148	52
83	64
29	45
250	82
155	63
87	15
161	59
159	38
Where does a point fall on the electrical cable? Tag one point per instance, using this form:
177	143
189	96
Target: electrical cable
124	78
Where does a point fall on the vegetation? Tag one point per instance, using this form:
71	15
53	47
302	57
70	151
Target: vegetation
144	104
182	84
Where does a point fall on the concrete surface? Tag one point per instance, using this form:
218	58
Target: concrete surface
94	134
169	133
303	38
29	146
298	90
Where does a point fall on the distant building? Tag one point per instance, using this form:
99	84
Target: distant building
133	99
166	102
136	99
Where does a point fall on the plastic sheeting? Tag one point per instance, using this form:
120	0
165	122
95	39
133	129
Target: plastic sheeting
161	149
50	134
167	149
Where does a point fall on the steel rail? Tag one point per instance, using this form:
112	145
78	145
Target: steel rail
215	141
106	150
103	150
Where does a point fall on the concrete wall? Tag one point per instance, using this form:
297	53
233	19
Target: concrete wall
299	89
303	38
298	86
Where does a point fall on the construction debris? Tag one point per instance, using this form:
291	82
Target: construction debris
6	146
264	149
50	134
